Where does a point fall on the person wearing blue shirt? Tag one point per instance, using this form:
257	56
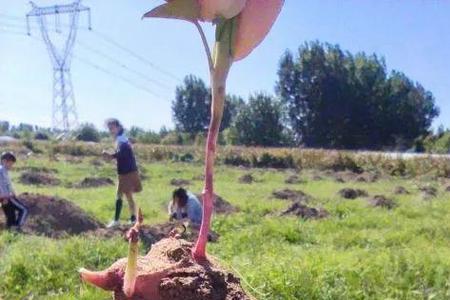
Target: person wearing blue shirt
185	205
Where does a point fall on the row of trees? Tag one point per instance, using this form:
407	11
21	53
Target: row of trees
325	97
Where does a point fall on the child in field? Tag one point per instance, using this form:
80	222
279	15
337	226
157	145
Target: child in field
15	211
185	205
129	180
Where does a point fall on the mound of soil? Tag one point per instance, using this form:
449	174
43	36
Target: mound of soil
400	190
200	177
447	189
221	206
382	201
180	182
246	179
367	177
347	176
93	182
294	179
38	170
429	191
38	178
55	217
182	277
317	178
294	195
349	193
97	162
300	210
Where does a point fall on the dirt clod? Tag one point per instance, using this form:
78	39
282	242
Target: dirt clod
349	193
180	182
294	195
246	179
221	206
294	179
55	217
400	190
428	192
300	210
93	182
382	201
38	178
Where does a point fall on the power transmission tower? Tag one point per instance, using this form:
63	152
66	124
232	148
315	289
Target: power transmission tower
64	115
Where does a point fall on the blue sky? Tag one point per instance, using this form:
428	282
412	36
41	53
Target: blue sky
413	36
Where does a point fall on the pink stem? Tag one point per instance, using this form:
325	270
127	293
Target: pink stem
218	78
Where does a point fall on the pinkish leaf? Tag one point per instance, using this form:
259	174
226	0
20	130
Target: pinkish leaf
211	9
188	10
255	22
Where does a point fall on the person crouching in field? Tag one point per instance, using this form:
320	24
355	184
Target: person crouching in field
129	180
15	211
185	205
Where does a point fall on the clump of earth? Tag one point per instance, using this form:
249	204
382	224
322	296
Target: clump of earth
400	190
428	192
382	201
221	206
293	195
303	211
294	179
180	182
38	178
247	179
93	182
349	193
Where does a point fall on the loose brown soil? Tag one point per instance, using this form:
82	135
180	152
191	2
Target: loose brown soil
348	176
246	179
54	217
180	182
294	195
94	182
38	178
294	179
221	206
38	170
349	193
400	190
182	278
300	210
382	201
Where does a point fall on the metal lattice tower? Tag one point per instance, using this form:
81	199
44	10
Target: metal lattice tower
64	115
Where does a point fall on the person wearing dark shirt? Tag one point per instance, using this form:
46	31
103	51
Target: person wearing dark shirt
127	170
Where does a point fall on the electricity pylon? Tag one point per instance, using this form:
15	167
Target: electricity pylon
64	114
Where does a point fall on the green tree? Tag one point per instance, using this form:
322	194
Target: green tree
338	100
191	107
258	123
88	133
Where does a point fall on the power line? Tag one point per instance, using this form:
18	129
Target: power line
124	66
120	77
135	55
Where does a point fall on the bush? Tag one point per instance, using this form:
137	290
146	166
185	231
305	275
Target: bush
41	136
88	133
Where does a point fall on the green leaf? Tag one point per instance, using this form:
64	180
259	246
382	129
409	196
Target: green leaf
188	10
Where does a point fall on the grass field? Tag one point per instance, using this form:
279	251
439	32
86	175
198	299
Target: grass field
359	252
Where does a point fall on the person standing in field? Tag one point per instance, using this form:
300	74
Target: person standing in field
127	170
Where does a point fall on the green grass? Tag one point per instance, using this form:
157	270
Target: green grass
360	252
